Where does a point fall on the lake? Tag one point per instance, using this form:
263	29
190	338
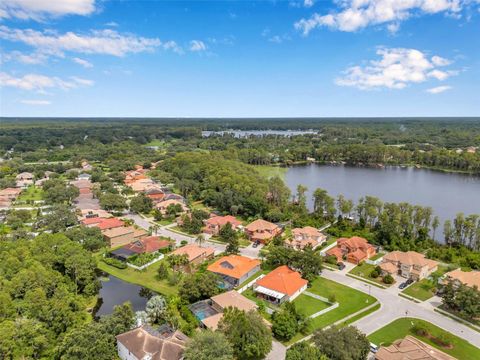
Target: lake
115	291
447	193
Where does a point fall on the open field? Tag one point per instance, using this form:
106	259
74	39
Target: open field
399	328
271	171
146	278
32	193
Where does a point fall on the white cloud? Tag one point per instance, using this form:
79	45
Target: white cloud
438	89
82	62
197	45
396	69
112	24
108	42
36	102
357	14
29	59
37	82
308	3
39	9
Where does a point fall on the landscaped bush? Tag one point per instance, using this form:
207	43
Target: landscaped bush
374	274
114	262
142	259
388	279
332	298
420	330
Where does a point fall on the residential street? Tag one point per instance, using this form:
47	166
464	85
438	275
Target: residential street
394	306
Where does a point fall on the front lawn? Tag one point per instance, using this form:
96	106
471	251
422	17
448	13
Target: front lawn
421	290
399	328
146	278
364	270
307	305
350	301
32	193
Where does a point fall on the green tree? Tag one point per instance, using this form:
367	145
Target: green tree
228	235
141	204
208	345
347	343
284	324
199	286
247	332
112	202
156	309
304	351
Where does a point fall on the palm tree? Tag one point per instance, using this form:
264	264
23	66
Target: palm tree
200	240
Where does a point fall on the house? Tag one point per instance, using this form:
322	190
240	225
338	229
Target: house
162	206
83	176
195	253
458	277
86	166
307	236
262	231
24	180
147	343
355	250
10	193
145	245
410	265
92	213
280	285
122	235
133	175
410	348
141	185
214	308
234	269
102	223
215	223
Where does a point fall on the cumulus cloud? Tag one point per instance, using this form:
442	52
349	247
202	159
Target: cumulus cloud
82	62
197	45
39	83
308	3
357	14
108	42
36	102
40	9
438	89
396	69
34	58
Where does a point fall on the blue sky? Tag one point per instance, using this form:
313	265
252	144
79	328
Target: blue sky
240	59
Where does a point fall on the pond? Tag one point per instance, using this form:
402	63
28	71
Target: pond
247	133
115	291
447	193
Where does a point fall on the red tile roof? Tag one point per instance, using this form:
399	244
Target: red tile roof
110	223
147	244
283	280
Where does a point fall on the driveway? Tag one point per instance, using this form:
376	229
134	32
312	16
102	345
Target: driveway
394	307
278	351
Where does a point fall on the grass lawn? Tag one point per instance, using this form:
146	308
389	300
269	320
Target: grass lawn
241	241
401	327
31	193
350	301
363	270
308	305
377	256
421	290
146	278
425	288
271	171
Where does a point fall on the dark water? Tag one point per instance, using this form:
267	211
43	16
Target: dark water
115	292
447	193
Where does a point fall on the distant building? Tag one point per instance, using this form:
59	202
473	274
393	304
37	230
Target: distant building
280	285
162	206
262	231
147	343
145	245
234	269
355	250
410	348
24	180
122	235
103	223
307	236
410	265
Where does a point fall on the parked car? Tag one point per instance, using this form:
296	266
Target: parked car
403	285
341	265
409	281
373	348
255	244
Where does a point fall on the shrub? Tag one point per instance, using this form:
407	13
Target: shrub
388	279
114	262
420	330
183	242
374	274
332	298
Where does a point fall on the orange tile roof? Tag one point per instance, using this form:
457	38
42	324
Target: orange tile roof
469	278
234	266
193	251
223	220
354	242
261	225
109	223
92	220
283	280
358	255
